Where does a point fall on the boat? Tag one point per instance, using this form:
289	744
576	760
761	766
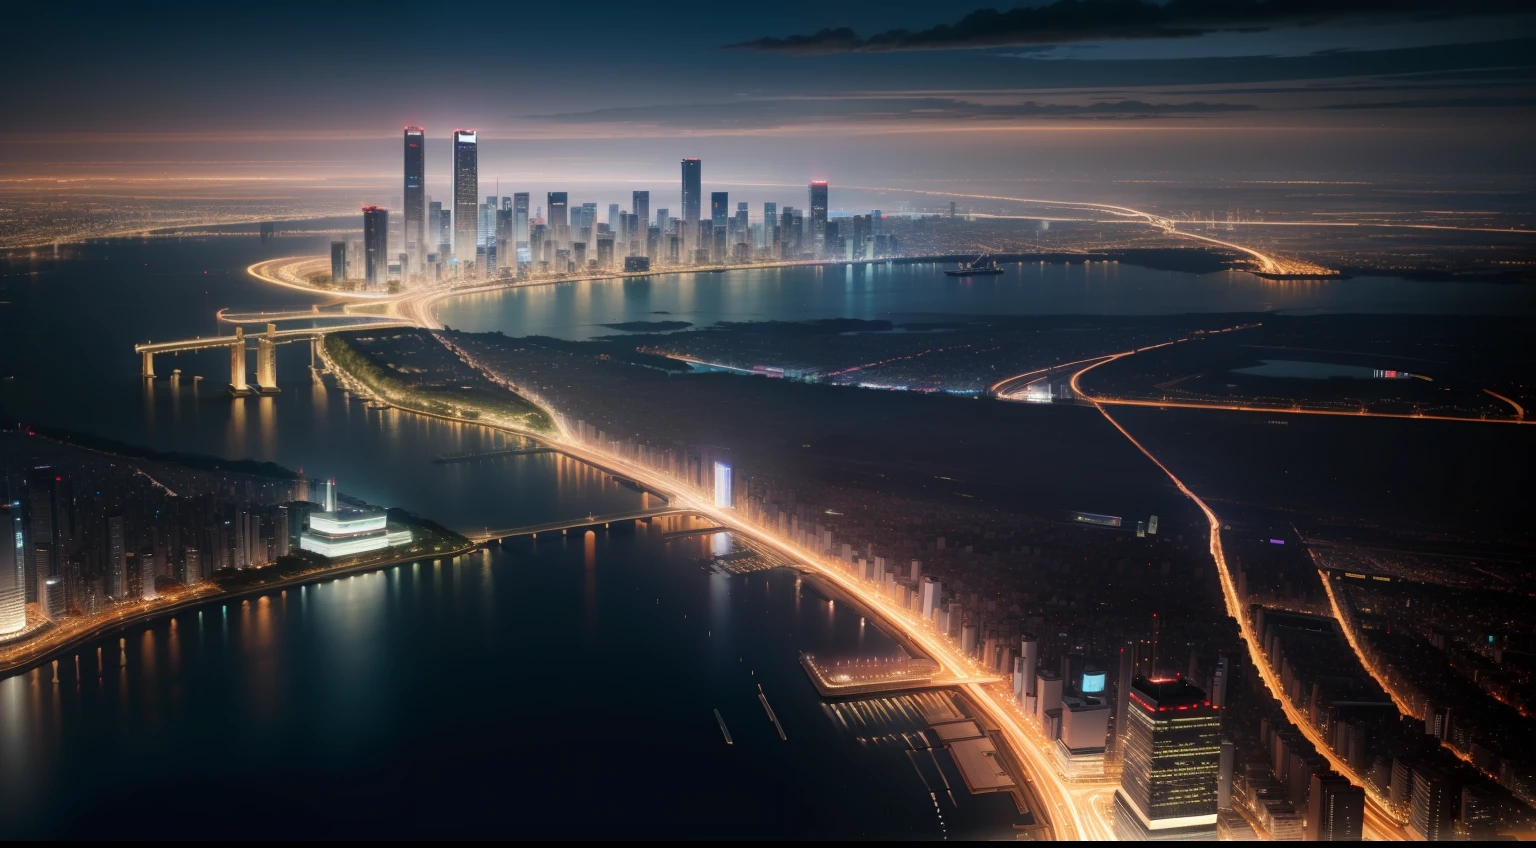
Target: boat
982	266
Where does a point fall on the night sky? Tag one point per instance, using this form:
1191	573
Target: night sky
771	91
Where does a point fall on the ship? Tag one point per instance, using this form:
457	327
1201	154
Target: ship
980	267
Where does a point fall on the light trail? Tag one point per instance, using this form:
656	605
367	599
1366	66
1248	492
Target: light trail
1104	400
271	271
1378	821
1267	264
1519	410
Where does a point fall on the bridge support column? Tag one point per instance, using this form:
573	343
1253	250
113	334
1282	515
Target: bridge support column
266	362
237	384
149	365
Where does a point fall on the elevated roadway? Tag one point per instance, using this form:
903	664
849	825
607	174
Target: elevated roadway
488	534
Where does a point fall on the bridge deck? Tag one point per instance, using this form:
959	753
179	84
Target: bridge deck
569	523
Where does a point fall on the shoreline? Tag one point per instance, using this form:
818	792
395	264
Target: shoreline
17	667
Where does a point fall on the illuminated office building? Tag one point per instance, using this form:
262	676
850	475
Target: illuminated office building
1335	809
415	196
466	188
818	223
349	532
338	261
723	495
1171	763
520	220
375	246
13	571
557	218
692	195
641	209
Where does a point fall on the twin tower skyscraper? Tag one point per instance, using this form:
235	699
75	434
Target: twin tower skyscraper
466	185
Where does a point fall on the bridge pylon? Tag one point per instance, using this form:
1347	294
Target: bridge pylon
149	366
266	362
237	384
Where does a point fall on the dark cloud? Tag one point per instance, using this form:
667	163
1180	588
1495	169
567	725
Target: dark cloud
776	112
1444	103
1069	21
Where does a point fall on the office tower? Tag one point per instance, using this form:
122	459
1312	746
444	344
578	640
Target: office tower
930	597
641	209
662	220
375	246
724	498
818	206
1172	762
436	233
1224	775
13	569
719	253
466	188
338	261
485	222
739	223
556	219
1335	808
605	251
520	219
719	208
117	550
770	226
192	567
415	196
1432	804
613	216
861	234
692	194
148	571
1029	652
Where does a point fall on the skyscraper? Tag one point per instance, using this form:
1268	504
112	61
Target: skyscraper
818	204
1335	809
466	188
724	498
692	191
520	219
338	261
557	218
720	208
376	246
770	227
1432	804
415	196
641	208
1172	761
13	572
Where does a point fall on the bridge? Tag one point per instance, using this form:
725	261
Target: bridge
266	351
571	524
224	316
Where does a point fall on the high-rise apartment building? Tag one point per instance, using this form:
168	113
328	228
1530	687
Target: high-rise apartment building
818	221
466	190
1432	804
13	570
1335	809
1171	762
375	246
415	197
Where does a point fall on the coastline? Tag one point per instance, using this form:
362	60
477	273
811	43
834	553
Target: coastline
12	668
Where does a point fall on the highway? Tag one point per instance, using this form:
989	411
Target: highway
1104	400
279	336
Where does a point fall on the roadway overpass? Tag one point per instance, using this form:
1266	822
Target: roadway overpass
266	351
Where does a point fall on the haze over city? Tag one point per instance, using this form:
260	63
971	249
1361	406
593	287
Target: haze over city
1084	420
